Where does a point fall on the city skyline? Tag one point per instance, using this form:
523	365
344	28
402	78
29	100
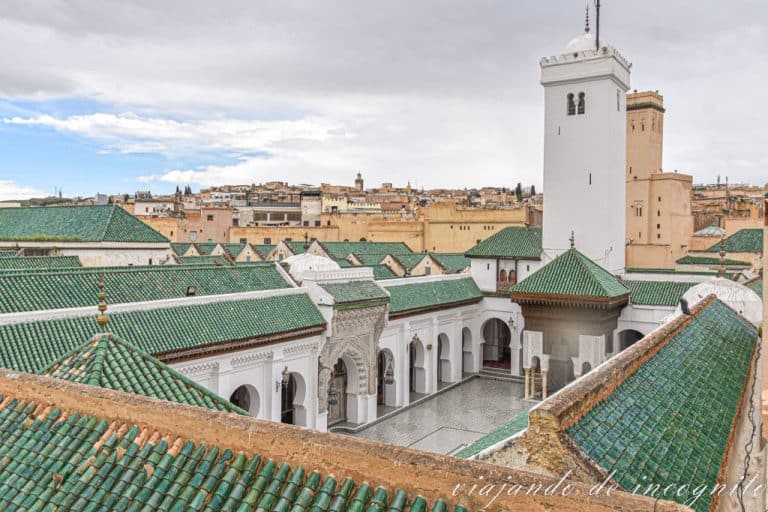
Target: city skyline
440	98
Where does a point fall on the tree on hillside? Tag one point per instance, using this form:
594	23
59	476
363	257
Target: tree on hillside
519	192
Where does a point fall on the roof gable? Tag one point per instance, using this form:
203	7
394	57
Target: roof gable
451	262
108	362
571	274
744	240
511	242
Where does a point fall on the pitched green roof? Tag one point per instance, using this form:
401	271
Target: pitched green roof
340	250
8	253
511	242
381	272
205	248
204	260
35	291
39	262
361	293
670	421
703	260
497	435
234	250
757	287
452	262
180	249
263	249
65	460
108	362
409	260
656	293
744	240
32	346
108	223
431	294
571	274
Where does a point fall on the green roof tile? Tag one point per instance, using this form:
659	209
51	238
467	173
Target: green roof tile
108	362
362	293
32	346
180	249
34	291
381	272
8	253
452	262
204	260
757	286
497	435
340	250
703	260
571	274
670	421
432	294
39	262
656	293
409	261
63	460
511	242
108	223
744	240
263	249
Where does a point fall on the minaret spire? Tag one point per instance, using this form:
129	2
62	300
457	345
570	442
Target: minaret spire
597	31
586	26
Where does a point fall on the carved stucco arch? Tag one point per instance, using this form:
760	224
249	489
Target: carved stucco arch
364	361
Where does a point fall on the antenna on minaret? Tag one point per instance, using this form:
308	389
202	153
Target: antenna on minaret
586	26
597	32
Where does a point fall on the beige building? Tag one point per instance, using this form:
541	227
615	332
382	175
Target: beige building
659	221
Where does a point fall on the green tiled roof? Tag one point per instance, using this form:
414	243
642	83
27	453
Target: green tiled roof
744	240
703	260
432	294
571	274
340	250
757	286
381	272
497	435
108	223
728	275
32	346
670	421
263	249
511	242
234	250
180	249
343	263
205	248
108	362
373	258
409	260
656	293
204	260
8	253
452	262
59	460
39	262
34	291
363	293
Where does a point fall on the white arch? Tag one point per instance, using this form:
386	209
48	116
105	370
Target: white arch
444	366
247	398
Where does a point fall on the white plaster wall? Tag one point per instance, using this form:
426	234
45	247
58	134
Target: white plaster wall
483	271
577	145
117	257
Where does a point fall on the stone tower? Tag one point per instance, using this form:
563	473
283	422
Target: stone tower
359	182
585	150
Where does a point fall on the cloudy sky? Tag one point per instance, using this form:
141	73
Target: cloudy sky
117	95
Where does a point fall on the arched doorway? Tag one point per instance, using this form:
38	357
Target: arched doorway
497	352
467	362
629	337
292	395
337	393
418	374
443	359
385	379
247	398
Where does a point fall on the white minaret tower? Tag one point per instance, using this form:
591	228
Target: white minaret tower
585	150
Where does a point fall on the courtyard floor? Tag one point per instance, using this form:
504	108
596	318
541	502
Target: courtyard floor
452	420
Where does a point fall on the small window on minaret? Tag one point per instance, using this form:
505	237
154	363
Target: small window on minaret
571	105
618	101
582	103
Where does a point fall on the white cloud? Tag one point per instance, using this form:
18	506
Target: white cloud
10	190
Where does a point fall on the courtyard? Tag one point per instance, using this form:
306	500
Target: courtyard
452	420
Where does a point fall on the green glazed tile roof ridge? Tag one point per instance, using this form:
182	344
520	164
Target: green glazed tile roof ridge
671	419
510	242
355	291
37	291
423	293
163	331
744	240
63	459
109	362
572	274
99	223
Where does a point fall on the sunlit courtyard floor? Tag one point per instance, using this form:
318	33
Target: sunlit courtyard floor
449	421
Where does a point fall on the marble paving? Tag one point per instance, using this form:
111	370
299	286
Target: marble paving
453	419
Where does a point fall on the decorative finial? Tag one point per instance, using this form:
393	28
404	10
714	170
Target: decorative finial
102	318
586	28
721	271
572	240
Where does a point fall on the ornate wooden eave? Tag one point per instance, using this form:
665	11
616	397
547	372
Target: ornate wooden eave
572	301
